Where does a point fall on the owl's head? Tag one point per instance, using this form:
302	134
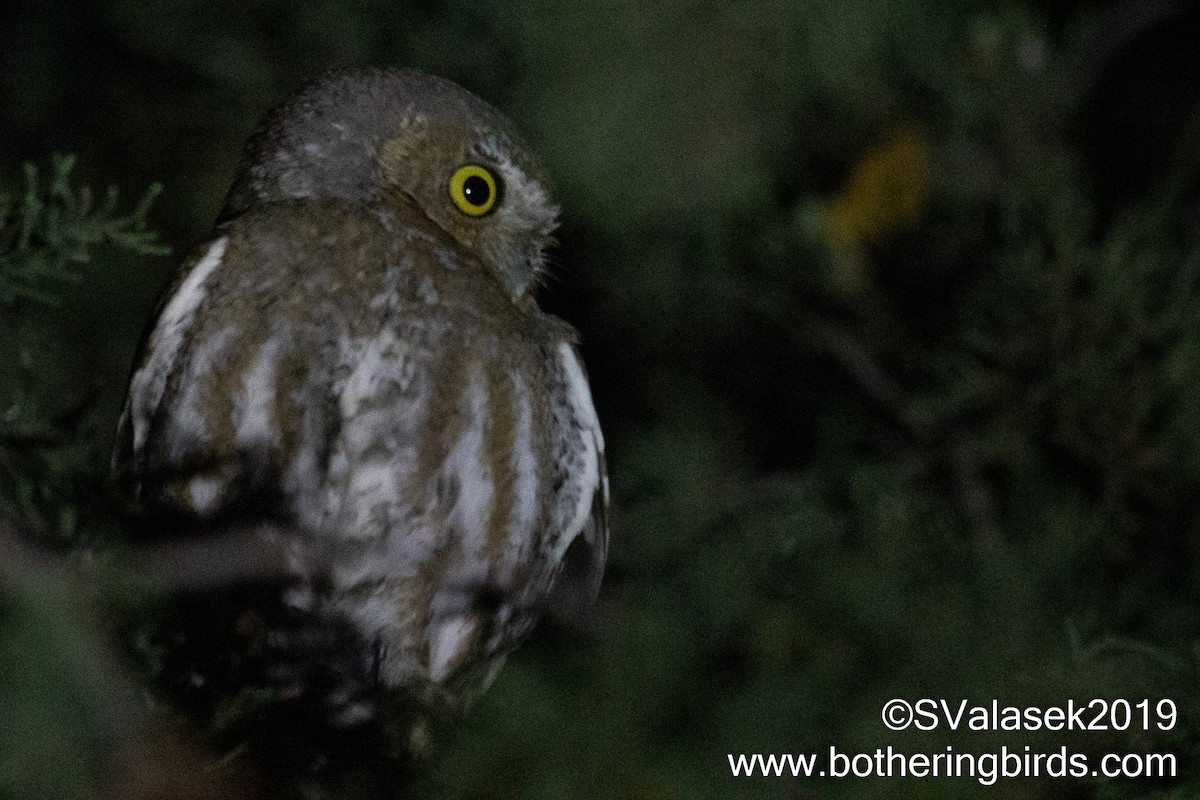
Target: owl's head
404	137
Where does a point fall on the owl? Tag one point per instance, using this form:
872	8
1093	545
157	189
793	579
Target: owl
354	361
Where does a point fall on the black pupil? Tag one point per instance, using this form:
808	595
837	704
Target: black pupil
476	190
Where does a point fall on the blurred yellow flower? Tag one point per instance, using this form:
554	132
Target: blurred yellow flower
886	192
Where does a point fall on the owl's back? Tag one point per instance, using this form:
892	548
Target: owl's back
432	446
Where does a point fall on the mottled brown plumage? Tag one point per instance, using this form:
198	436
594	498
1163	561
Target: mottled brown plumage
354	356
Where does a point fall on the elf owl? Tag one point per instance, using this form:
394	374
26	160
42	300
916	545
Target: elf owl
355	359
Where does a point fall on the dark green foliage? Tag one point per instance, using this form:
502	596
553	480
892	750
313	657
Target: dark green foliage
894	332
48	232
60	721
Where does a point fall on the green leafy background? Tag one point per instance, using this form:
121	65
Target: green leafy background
892	318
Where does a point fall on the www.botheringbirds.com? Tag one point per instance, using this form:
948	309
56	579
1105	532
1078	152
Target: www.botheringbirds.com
986	768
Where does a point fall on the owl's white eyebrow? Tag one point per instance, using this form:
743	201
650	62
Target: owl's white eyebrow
488	148
523	185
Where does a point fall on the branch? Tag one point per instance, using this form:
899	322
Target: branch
143	755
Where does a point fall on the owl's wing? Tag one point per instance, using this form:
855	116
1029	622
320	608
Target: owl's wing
586	531
228	401
164	348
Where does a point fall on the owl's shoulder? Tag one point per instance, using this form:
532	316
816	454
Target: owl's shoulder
323	237
251	327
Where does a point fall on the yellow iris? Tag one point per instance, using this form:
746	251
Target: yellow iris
473	190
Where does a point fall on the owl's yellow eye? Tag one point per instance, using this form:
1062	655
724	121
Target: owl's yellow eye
474	190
